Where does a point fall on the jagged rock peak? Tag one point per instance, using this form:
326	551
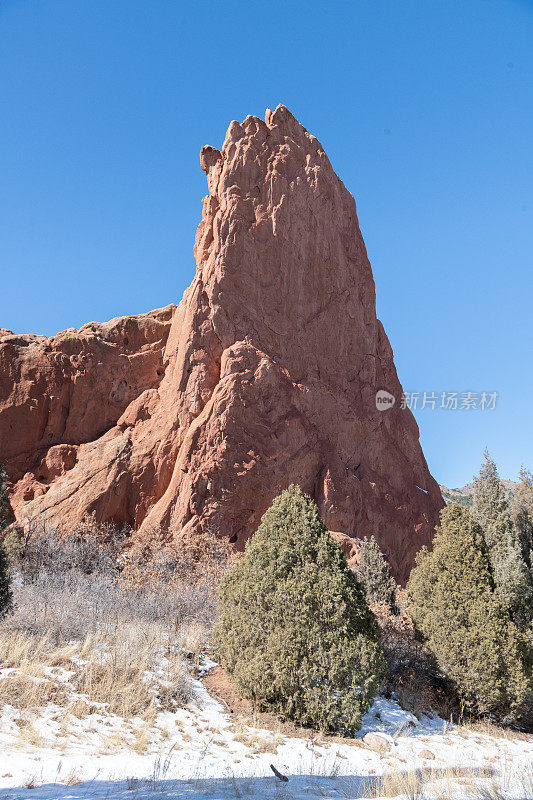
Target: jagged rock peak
265	375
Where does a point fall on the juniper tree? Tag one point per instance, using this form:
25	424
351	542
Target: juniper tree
490	507
464	622
294	628
5	512
374	574
512	577
522	515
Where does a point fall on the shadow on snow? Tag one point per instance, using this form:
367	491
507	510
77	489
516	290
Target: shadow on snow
298	787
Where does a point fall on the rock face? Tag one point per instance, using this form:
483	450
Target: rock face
58	393
265	375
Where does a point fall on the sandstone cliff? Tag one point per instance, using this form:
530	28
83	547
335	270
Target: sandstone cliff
264	375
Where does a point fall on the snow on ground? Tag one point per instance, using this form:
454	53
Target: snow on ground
197	752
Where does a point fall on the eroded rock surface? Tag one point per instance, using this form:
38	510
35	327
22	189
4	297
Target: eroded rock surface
60	392
267	376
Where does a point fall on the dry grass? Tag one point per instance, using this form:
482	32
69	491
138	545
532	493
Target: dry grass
134	670
451	782
72	779
143	739
487	727
257	741
28	736
97	630
524	779
23	690
408	785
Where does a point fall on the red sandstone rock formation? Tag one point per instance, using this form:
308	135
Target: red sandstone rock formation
58	393
268	375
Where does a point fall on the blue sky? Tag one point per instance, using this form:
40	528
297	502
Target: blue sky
425	109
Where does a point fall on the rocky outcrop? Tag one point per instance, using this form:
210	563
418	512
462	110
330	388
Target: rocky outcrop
377	742
267	376
57	393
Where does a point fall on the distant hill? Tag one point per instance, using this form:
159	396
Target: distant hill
464	495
